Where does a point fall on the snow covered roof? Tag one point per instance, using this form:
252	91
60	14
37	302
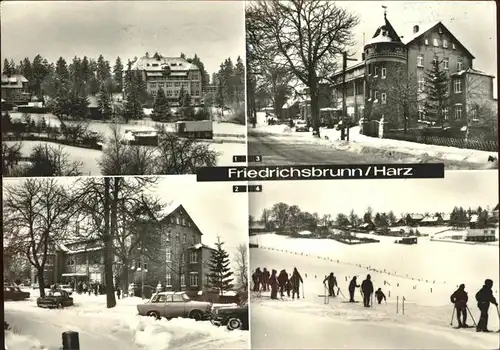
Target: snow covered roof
385	34
445	217
414	216
15	81
471	71
201	245
430	219
176	64
169	209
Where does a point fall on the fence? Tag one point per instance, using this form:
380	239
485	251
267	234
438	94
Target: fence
489	146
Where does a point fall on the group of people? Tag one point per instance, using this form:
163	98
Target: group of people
484	297
277	283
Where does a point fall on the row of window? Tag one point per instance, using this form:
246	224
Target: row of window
383	72
173	93
437	43
375	94
446	62
457	85
193	280
446	113
193	256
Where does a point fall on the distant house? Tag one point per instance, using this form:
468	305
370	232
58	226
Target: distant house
431	220
257	227
367	227
413	219
494	213
400	222
480	232
446	218
15	89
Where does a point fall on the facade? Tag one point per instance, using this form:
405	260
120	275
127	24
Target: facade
480	232
170	74
390	61
15	89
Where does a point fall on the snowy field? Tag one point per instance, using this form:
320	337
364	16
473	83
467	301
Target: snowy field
433	270
90	157
119	328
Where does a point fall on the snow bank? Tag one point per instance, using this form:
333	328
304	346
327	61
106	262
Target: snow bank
15	341
270	129
401	149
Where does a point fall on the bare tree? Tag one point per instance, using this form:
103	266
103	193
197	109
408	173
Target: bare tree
47	160
37	214
307	37
265	218
241	261
114	158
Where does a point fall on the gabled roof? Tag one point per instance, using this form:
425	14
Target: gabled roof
173	207
385	34
426	28
430	219
496	208
415	216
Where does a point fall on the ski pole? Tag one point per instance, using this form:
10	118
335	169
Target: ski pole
452	316
470	313
303	296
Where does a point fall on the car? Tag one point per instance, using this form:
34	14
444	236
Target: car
67	288
56	298
175	304
301	125
233	317
14	293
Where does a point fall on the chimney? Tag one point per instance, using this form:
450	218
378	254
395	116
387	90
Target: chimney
415	29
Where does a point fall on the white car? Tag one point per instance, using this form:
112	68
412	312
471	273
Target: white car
67	288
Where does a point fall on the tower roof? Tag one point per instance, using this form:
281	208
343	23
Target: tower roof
385	34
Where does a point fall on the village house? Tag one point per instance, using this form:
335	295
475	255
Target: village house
255	227
431	220
413	219
15	89
481	231
366	227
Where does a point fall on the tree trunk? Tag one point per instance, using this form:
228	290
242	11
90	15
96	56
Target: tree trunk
314	109
108	248
41	281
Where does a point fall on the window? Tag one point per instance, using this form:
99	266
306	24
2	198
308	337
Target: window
384	73
434	61
453	46
169	255
445	113
458	112
376	72
183	222
177	237
446	63
152	85
421	113
384	98
169	236
189	223
460	66
145	265
435	42
177	298
183	280
168	279
161	85
177	220
445	43
184	238
161	298
458	86
426	41
420	60
375	99
421	83
172	220
197	93
177	84
193	257
193	280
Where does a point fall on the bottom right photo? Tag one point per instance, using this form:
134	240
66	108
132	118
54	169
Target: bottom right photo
376	264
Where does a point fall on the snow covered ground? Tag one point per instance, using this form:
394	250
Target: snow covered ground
119	328
424	274
90	158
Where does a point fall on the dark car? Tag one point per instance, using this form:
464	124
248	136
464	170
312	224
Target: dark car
14	293
233	317
55	299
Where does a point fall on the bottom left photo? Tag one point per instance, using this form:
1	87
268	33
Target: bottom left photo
124	263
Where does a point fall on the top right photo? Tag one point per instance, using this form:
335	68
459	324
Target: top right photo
356	82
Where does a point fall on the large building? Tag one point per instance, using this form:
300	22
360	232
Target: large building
181	261
170	74
15	89
390	61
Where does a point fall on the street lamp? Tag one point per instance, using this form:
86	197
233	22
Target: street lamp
344	108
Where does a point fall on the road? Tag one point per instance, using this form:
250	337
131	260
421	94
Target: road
276	152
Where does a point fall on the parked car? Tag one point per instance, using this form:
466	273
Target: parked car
233	317
301	125
57	298
175	304
67	288
14	293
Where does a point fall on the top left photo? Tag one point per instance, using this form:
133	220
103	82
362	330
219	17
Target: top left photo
121	88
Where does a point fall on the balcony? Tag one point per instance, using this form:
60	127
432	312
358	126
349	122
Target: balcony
387	53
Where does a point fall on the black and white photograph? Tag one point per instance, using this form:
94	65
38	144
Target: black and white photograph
372	82
376	264
121	88
124	263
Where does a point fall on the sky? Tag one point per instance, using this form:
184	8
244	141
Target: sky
458	188
212	29
473	23
215	209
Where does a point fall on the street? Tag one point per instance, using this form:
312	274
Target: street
284	152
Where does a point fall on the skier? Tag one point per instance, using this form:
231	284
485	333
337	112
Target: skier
288	287
257	278
332	283
484	297
296	280
282	281
273	282
380	295
265	279
460	298
367	290
352	287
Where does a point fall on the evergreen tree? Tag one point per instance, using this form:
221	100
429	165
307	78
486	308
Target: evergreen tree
219	277
135	94
436	88
239	81
118	75
104	103
198	63
7	69
161	108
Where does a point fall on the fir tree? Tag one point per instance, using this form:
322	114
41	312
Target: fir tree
104	103
161	108
118	74
7	69
220	274
436	86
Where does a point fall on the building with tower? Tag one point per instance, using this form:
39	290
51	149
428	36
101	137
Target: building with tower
392	71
